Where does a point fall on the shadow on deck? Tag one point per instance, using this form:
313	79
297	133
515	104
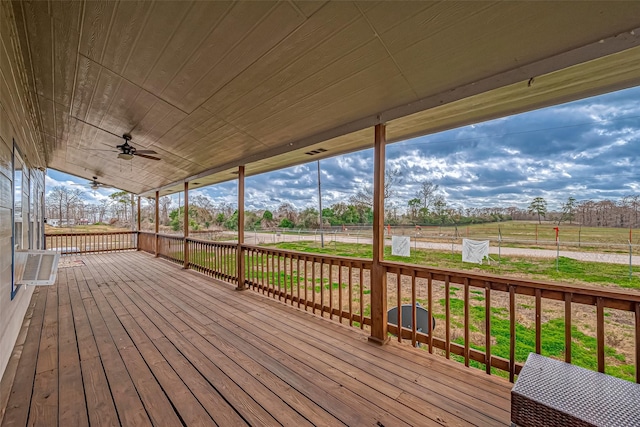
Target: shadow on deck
132	340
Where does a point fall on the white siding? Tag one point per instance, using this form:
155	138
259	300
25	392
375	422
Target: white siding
16	124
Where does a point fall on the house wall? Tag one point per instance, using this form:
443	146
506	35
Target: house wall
18	124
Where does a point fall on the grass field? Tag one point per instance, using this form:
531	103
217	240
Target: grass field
529	230
532	234
569	270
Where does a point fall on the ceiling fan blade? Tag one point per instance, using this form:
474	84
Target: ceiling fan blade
145	152
99	149
146	157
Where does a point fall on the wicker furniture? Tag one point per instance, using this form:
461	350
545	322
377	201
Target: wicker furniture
549	392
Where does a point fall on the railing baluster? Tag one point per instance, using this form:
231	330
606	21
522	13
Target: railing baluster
250	267
447	317
600	333
413	309
255	269
567	327
361	297
637	322
271	275
538	321
430	309
487	326
466	321
262	260
321	287
350	270
399	304
276	271
340	290
512	330
279	279
306	284
313	284
297	279
290	291
331	290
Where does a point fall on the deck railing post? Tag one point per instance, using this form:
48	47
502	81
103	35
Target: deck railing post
185	253
378	271
157	223
239	253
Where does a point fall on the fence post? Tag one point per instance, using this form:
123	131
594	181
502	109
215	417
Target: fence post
579	235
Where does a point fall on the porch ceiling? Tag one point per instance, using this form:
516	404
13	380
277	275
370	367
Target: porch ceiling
213	85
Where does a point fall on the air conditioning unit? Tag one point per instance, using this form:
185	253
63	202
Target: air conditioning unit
39	268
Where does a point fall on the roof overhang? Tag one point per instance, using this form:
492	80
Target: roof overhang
212	85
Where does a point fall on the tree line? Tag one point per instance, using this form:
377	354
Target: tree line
428	207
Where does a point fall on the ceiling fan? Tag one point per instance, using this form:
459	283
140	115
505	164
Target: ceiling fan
127	151
94	184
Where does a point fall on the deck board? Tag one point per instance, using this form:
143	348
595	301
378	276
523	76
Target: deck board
133	340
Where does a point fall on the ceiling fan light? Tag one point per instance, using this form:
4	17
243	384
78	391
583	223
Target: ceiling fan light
125	156
94	187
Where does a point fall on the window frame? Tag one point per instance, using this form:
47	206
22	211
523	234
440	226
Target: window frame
16	154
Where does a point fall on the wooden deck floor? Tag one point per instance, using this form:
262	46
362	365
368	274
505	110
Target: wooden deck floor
126	339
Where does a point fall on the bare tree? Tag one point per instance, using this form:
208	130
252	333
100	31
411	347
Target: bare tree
364	196
165	204
62	199
427	193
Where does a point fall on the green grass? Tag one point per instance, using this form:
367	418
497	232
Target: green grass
570	270
527	230
583	349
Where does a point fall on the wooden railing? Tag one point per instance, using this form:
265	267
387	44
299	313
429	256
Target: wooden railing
479	300
82	243
334	287
147	242
213	258
171	248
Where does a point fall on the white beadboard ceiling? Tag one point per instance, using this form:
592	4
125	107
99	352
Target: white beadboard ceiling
212	85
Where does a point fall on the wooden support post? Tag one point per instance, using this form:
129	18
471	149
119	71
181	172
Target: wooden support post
378	272
138	220
240	253
157	221
186	225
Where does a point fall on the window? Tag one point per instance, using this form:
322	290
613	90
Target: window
20	236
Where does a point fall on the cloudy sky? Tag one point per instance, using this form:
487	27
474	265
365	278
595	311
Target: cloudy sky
587	149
